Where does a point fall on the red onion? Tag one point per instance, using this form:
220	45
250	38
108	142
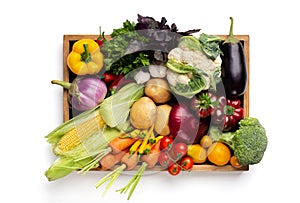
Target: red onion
184	126
84	92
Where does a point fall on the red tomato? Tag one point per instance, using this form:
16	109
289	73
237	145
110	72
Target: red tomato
164	159
166	142
174	169
180	149
108	77
187	163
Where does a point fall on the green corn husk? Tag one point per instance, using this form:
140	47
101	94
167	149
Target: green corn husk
54	136
84	156
115	109
63	166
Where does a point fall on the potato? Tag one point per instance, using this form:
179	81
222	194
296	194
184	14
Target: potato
158	90
143	113
161	125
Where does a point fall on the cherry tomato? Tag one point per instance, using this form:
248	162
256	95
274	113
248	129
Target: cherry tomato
164	160
109	77
174	169
180	149
101	38
187	163
166	142
99	42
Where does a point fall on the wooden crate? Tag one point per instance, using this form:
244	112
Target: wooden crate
68	76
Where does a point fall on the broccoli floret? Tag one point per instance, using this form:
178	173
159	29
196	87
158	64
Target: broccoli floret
248	143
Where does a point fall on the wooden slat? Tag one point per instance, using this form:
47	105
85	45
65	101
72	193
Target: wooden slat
196	167
66	47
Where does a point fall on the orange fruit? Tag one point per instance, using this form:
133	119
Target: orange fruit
206	141
234	162
218	154
197	153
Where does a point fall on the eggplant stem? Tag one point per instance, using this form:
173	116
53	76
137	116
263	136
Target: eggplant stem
231	39
231	27
64	84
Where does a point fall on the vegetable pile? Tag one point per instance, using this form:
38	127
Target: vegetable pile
153	98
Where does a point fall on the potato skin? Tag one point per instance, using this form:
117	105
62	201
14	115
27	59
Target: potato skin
161	125
158	90
143	113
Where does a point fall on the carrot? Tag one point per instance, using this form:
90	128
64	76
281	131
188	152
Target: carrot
119	144
110	160
151	144
135	146
146	139
152	158
130	160
149	161
133	134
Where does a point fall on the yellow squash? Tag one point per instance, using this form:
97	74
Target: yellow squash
85	57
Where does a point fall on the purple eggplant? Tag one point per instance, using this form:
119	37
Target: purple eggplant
234	71
84	92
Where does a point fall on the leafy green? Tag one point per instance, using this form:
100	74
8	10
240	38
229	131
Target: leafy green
122	53
127	27
190	42
178	66
210	45
215	78
196	84
128	63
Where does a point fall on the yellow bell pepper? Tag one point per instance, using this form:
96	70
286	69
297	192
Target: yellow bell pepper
85	57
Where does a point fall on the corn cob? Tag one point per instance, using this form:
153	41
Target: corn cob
79	133
54	136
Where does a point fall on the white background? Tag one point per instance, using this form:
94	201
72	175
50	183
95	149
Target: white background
31	56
